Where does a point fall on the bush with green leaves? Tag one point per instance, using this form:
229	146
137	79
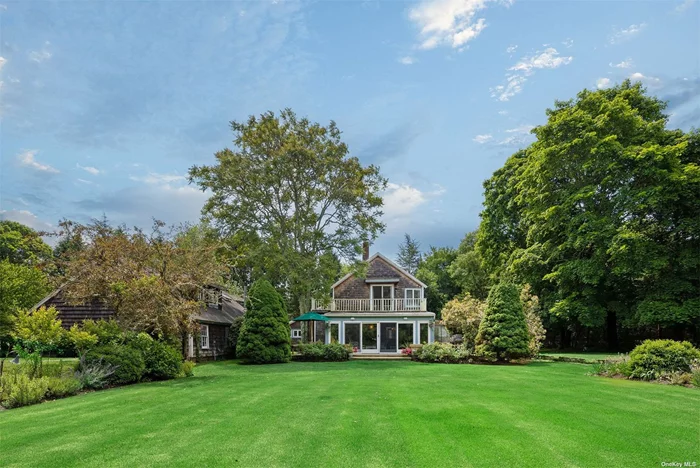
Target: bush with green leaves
234	333
323	352
654	358
187	369
128	362
162	361
107	331
19	389
443	352
265	336
613	367
59	387
503	333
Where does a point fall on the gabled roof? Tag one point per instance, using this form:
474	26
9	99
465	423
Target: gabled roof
390	262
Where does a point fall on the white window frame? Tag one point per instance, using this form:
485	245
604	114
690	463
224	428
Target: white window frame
416	300
391	299
296	333
204	337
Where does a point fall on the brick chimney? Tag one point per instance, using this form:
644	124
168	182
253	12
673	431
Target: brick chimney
365	251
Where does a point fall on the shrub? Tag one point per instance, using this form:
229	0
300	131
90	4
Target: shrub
187	369
162	361
323	352
503	331
95	375
21	390
535	329
443	352
463	316
695	375
128	362
613	367
59	387
653	358
234	333
81	340
59	368
265	334
107	331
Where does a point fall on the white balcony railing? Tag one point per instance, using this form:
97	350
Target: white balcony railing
371	305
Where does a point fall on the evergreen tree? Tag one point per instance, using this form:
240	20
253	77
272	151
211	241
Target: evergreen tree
409	256
265	334
503	330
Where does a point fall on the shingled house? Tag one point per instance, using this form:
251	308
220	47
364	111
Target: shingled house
215	318
381	313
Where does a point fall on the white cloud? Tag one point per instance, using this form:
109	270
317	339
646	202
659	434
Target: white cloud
27	159
83	181
568	43
602	83
621	35
624	64
548	59
27	218
514	84
89	169
649	81
158	179
3	61
684	6
402	200
511	49
407	60
522	129
39	56
481	139
503	112
449	22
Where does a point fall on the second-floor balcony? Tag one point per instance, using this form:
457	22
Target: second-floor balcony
371	305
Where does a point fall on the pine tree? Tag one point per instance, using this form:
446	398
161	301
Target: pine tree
409	254
265	334
503	331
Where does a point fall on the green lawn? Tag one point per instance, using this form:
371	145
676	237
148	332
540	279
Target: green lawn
363	413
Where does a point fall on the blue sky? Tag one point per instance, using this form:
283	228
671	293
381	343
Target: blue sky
104	106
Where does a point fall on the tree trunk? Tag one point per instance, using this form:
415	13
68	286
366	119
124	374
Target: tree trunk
612	330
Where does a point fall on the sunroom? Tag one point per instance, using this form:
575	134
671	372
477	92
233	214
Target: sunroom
380	333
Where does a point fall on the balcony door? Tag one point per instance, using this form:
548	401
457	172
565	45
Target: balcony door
382	296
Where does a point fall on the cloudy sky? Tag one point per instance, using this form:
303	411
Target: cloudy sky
104	106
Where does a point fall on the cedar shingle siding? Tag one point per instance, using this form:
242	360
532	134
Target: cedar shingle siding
356	288
70	314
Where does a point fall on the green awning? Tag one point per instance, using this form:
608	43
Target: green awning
310	316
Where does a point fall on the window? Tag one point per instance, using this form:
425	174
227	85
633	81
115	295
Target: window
405	335
335	333
352	334
296	333
204	336
369	336
423	333
381	297
412	298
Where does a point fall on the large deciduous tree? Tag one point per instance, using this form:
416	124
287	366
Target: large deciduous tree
21	287
292	197
468	270
151	280
599	215
433	271
409	256
22	245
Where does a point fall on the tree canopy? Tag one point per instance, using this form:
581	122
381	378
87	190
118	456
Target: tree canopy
409	256
22	245
599	215
293	198
433	271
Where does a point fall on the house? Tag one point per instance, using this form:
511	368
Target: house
381	313
214	319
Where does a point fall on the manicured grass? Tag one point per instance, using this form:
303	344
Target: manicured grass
363	413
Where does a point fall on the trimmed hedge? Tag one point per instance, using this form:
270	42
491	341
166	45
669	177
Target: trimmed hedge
655	358
163	361
129	363
323	352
